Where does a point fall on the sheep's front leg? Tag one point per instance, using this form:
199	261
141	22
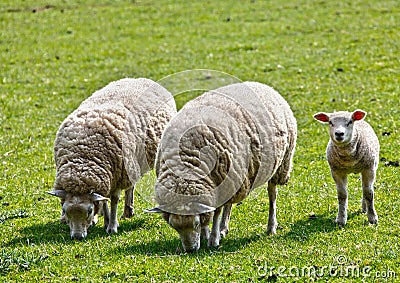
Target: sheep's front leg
106	213
226	216
341	187
205	233
272	194
215	236
129	200
113	224
368	178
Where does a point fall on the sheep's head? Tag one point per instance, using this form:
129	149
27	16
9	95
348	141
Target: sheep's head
189	227
341	124
79	211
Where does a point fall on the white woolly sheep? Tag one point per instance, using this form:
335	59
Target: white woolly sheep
353	148
104	146
218	148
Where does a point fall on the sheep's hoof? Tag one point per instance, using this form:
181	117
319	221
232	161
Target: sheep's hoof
128	212
373	219
213	241
112	229
224	232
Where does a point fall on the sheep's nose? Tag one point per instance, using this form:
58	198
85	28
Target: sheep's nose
77	236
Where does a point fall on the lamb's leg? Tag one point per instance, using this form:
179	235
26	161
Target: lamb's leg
341	187
226	216
368	178
215	236
272	194
113	224
129	199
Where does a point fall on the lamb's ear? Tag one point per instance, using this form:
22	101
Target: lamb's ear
97	197
153	210
58	193
358	115
322	117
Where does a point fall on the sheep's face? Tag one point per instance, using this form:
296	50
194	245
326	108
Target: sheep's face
340	124
79	211
188	227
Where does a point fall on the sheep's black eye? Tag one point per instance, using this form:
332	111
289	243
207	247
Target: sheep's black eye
330	123
349	123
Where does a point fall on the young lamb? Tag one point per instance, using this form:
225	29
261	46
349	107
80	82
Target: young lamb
218	148
353	148
104	146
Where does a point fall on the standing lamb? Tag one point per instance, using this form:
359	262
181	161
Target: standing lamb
218	148
104	146
353	148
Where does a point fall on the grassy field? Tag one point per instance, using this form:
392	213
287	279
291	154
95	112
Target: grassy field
320	55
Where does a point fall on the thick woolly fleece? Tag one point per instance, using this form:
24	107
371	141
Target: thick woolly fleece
111	139
223	144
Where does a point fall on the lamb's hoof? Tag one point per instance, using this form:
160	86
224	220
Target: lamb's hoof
271	230
340	222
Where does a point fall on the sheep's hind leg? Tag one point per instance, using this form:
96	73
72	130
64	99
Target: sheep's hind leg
129	201
272	194
341	187
226	216
368	178
215	236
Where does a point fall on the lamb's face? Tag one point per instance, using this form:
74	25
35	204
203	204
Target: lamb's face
341	130
79	214
340	124
189	229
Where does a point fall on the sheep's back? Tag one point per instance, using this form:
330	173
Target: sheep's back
249	127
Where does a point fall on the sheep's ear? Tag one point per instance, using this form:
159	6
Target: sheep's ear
153	210
358	115
97	197
322	117
58	193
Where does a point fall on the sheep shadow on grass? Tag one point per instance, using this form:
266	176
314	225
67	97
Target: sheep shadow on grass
57	232
304	228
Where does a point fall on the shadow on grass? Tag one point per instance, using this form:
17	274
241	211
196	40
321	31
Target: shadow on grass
172	246
56	232
305	228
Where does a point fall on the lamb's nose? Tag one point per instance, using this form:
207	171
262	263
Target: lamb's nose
339	134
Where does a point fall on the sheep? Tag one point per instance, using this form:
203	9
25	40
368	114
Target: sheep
104	146
353	148
218	148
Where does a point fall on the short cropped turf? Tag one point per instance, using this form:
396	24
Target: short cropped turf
320	55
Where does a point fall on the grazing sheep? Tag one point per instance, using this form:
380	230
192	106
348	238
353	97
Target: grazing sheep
218	148
104	146
353	148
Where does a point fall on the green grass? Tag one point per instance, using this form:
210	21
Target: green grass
320	55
